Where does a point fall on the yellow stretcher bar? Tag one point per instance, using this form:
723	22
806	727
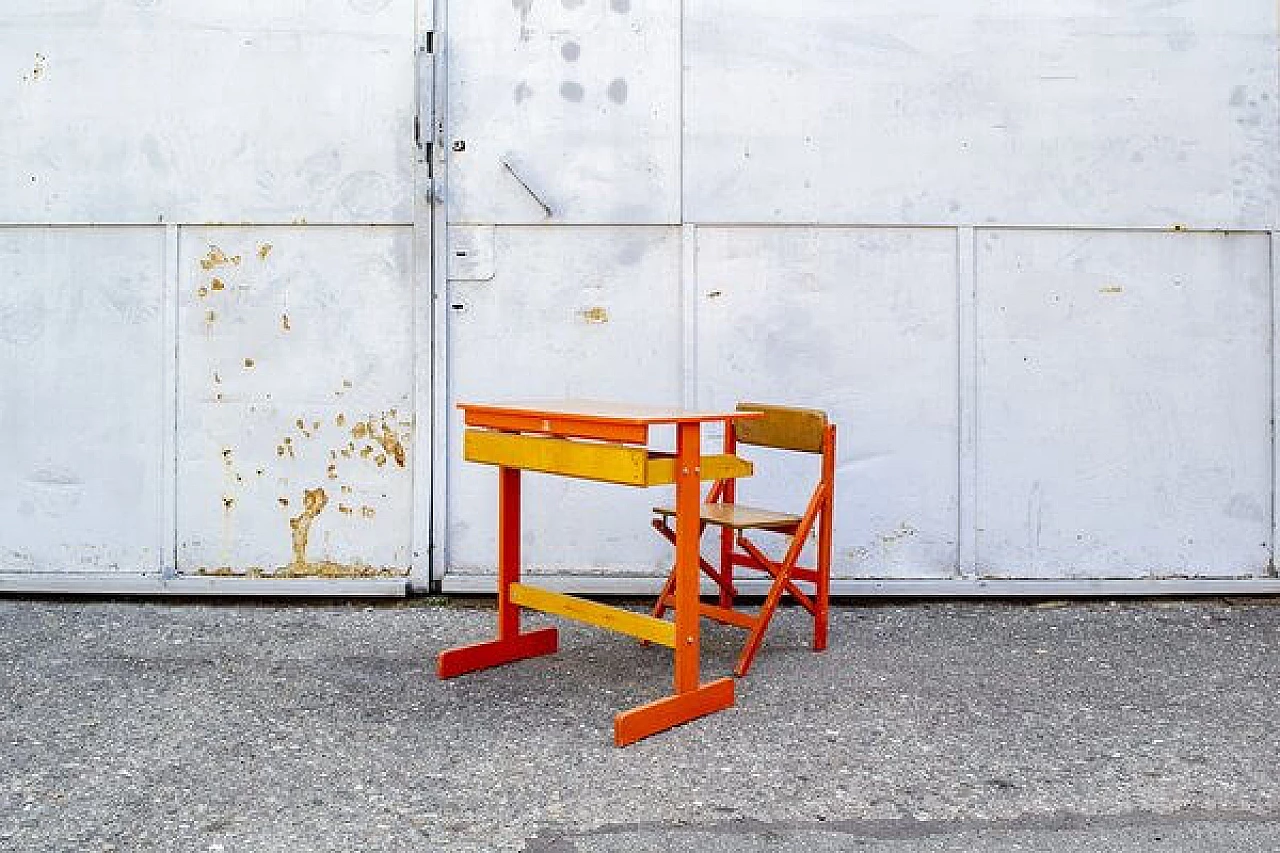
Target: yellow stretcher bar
601	615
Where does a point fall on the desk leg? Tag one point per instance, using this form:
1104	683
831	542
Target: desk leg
511	645
691	699
688	525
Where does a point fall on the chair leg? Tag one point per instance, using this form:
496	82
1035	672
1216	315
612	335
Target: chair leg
724	580
822	593
773	569
727	592
667	589
757	633
781	579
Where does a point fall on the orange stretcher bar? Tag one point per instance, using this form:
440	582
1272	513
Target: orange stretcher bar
605	442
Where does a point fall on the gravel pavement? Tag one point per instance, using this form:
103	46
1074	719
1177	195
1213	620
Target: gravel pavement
958	726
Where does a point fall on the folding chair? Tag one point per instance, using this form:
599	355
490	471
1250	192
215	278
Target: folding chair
784	428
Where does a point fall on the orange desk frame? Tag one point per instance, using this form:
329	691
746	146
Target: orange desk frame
620	426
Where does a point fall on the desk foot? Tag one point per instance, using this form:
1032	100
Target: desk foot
464	659
631	726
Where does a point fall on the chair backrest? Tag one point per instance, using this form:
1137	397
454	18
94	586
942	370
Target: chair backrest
783	427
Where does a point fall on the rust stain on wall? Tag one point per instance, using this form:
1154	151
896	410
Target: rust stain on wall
383	439
321	569
264	250
313	503
218	258
391	444
37	68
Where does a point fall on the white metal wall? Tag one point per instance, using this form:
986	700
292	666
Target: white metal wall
1024	253
207	273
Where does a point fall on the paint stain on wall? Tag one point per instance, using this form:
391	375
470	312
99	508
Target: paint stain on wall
391	444
313	503
898	534
218	258
37	68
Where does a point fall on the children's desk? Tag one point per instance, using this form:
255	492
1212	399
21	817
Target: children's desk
606	442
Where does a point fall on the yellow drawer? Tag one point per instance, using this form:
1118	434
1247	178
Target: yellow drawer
589	460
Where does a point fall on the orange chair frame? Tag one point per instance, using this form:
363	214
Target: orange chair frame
738	551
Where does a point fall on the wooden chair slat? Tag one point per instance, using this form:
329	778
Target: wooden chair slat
739	517
783	427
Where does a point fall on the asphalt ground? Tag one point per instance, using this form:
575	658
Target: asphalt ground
1117	726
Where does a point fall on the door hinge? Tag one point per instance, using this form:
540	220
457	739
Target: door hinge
424	116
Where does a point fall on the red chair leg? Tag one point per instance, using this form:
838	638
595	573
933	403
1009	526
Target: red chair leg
822	593
756	636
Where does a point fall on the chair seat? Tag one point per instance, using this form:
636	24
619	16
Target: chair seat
739	517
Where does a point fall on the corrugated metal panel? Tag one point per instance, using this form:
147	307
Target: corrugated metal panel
564	112
1124	404
1036	112
862	323
227	111
295	430
81	399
